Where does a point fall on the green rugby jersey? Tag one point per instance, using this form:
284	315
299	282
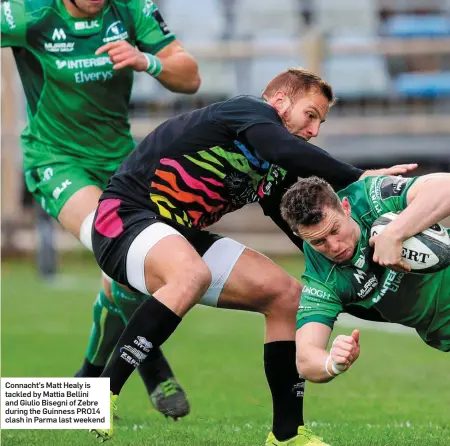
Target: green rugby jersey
77	104
418	301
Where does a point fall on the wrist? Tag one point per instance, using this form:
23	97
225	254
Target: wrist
328	368
154	65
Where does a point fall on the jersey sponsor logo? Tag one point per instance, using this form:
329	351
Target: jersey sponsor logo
360	262
7	11
59	47
360	276
48	173
59	34
76	64
114	32
368	287
391	283
315	292
162	24
81	77
60	189
147	9
375	196
392	187
87	24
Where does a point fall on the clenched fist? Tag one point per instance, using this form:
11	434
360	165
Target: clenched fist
344	352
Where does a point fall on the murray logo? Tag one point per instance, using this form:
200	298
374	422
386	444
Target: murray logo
359	276
59	45
59	34
114	32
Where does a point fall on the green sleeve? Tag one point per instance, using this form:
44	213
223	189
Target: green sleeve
318	303
152	33
388	193
14	23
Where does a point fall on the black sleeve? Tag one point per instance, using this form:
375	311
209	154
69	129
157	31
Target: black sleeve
275	144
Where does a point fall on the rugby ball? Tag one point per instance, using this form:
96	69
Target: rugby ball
426	252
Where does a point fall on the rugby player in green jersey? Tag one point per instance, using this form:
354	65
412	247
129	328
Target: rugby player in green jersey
346	268
76	60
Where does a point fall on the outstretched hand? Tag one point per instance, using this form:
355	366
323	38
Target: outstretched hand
398	169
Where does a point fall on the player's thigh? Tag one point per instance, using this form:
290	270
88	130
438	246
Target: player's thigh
138	249
258	284
68	192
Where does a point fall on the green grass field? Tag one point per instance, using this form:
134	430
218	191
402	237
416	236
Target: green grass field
398	393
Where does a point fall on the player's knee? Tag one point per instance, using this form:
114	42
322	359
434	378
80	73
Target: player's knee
194	280
287	296
107	290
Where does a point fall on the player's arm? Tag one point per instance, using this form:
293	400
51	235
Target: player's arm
277	145
314	362
179	69
157	51
319	308
13	23
425	202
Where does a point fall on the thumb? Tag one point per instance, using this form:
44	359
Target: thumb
372	241
355	336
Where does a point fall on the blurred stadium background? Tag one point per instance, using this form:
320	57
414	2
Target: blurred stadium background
389	62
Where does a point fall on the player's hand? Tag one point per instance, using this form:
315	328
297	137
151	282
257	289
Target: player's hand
123	54
388	251
345	350
399	169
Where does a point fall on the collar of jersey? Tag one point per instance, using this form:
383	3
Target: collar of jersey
83	26
362	240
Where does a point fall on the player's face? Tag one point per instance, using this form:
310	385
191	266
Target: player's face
304	117
86	8
336	236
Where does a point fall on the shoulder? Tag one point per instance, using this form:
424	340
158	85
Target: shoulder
37	8
247	108
250	103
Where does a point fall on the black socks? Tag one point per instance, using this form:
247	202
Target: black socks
149	327
286	386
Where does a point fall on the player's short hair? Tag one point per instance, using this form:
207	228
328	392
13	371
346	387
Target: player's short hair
296	82
304	202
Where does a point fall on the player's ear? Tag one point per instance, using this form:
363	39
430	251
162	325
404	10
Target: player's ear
280	101
346	206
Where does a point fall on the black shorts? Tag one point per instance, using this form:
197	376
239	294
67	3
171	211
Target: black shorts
117	224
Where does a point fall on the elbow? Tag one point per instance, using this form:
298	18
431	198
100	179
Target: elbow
194	84
187	86
307	371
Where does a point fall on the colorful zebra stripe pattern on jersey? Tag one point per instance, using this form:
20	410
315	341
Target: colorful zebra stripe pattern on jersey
196	190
